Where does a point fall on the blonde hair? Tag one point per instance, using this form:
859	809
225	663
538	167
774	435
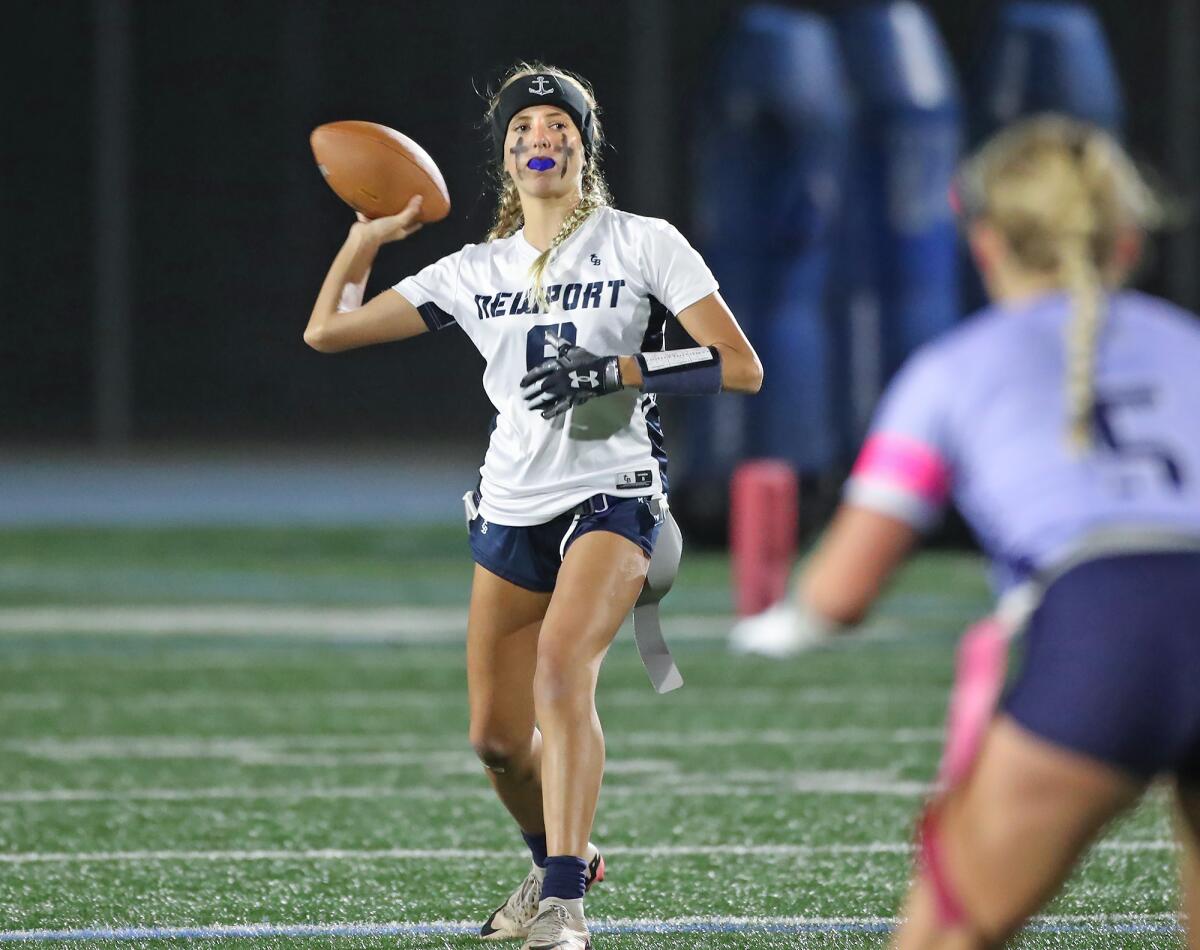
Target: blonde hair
593	192
1062	193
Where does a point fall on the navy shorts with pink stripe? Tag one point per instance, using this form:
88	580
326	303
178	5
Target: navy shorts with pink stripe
1111	664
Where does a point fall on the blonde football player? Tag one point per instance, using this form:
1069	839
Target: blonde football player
566	301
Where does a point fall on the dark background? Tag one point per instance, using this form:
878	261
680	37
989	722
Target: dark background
230	228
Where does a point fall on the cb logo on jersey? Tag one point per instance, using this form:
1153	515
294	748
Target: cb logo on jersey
579	380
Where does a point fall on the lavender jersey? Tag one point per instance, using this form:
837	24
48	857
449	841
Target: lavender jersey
980	415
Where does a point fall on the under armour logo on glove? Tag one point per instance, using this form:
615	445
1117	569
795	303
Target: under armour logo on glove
570	377
590	381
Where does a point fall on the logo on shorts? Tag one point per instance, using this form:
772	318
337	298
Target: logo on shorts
643	479
540	87
581	380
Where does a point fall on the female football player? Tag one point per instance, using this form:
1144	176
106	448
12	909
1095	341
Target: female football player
1063	422
566	301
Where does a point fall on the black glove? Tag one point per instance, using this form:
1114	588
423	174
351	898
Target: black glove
571	377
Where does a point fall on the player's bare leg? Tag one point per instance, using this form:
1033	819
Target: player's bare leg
502	644
1187	799
502	648
1010	836
600	579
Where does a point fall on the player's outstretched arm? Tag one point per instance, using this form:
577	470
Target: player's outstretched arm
853	562
340	320
843	578
710	323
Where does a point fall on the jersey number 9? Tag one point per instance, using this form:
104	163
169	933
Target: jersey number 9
538	349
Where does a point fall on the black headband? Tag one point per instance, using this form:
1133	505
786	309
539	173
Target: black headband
543	89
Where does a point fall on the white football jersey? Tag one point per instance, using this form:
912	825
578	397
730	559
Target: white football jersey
611	285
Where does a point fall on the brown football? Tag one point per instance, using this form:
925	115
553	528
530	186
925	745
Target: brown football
376	170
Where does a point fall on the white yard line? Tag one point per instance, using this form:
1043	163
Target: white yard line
366	622
241	752
51	795
648	852
753	737
758	784
410	698
416	625
416	746
651	779
1096	924
401	624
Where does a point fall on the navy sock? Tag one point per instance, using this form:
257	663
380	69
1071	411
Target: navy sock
537	845
566	877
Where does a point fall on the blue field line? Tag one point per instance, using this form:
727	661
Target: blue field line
1099	926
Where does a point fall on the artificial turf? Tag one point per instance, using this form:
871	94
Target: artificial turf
204	779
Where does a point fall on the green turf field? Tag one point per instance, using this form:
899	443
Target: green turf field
166	765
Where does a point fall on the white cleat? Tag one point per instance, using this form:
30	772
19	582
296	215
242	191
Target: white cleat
557	928
512	919
779	632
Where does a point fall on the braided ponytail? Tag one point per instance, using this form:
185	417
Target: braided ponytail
1082	342
595	195
1061	192
509	217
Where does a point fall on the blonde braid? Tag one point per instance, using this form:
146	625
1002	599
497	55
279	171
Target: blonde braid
1095	221
595	196
509	216
1082	341
1062	192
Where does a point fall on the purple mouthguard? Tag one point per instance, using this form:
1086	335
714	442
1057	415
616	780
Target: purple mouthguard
541	164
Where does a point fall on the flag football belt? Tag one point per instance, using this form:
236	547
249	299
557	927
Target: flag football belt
660	575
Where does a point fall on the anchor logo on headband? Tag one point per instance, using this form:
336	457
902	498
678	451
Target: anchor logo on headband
541	87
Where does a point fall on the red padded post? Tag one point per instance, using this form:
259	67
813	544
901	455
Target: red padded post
764	514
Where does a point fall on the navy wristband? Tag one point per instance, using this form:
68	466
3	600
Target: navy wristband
687	372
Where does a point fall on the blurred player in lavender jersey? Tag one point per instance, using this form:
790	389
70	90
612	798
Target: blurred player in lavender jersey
1064	421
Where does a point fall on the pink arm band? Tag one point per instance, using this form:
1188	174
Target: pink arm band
905	464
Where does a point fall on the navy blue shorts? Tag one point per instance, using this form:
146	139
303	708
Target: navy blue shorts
531	556
1112	664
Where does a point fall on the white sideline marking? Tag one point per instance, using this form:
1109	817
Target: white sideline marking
480	854
741	737
401	624
683	786
348	749
410	624
243	753
1094	924
427	761
408	698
